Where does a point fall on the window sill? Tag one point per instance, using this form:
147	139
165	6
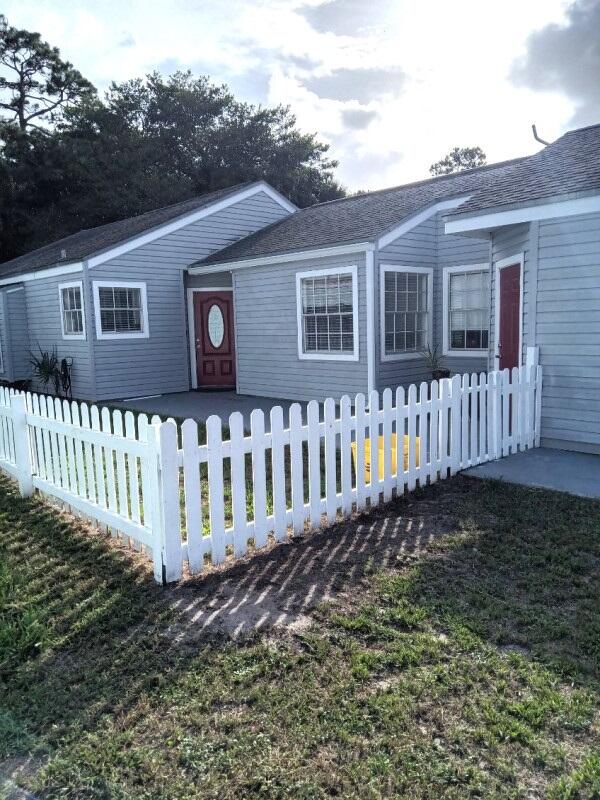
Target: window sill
120	336
466	353
401	356
328	357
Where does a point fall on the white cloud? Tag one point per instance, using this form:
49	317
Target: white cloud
455	60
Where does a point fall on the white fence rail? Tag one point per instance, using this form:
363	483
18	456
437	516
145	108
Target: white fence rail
181	498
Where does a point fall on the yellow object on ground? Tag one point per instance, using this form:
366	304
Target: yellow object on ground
381	461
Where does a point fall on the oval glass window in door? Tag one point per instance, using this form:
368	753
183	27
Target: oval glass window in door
216	326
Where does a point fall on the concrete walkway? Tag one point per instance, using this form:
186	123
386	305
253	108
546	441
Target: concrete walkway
561	470
201	405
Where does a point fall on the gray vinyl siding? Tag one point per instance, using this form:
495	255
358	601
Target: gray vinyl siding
267	335
427	246
17	336
45	331
160	363
568	330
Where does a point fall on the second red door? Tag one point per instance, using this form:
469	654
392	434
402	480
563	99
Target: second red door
510	316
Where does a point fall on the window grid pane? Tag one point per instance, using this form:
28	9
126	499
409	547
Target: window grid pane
120	309
327	314
72	310
469	310
406	322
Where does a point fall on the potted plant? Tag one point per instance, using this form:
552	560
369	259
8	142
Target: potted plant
46	368
434	361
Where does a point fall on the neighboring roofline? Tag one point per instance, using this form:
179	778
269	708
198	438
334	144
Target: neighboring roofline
498	217
43	272
277	258
412	221
423	181
187	219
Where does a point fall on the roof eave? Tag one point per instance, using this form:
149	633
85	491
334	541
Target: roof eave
203	268
51	271
501	216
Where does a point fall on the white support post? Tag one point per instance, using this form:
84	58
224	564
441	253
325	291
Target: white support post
22	449
532	358
164	492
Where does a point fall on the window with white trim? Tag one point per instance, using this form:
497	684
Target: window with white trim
327	314
71	309
120	310
406	308
468	310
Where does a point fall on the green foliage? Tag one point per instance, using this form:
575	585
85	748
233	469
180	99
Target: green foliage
46	369
36	83
458	159
148	143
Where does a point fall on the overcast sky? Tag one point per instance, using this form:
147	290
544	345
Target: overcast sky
392	85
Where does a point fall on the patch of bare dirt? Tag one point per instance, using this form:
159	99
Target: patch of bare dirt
277	588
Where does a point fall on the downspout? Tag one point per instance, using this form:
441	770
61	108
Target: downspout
90	324
7	359
491	355
370	285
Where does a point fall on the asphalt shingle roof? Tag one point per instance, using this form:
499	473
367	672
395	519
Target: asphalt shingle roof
91	241
361	218
568	166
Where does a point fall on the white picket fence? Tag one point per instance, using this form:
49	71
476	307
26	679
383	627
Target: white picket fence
182	500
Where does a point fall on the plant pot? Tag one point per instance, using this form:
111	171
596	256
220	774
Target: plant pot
438	374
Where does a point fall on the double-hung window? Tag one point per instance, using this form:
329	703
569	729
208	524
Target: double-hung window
72	315
327	314
406	300
121	310
466	310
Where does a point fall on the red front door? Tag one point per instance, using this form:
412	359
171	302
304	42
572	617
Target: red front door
510	316
215	344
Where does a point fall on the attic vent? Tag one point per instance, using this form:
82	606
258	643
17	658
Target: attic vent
63	253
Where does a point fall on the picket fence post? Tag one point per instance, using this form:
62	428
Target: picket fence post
22	450
165	516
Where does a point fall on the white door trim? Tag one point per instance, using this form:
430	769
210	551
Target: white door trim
192	328
511	261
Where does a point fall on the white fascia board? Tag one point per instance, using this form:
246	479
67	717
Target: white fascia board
68	269
188	219
281	258
412	222
498	219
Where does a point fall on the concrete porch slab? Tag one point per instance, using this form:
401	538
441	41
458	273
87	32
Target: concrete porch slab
545	468
201	405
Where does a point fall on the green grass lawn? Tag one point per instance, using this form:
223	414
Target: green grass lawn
446	646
